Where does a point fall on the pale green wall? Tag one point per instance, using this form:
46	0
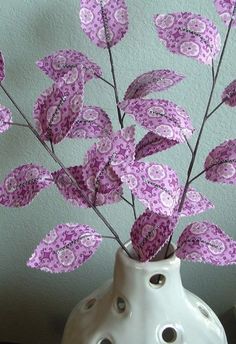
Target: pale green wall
34	305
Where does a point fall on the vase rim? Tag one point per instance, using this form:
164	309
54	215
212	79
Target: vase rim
172	260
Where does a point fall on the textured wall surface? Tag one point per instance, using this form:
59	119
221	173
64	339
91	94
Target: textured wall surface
34	305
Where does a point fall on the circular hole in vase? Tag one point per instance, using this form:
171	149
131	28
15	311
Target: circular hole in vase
89	304
120	305
169	335
157	281
204	312
105	341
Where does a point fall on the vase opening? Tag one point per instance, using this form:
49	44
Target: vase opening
158	257
157	281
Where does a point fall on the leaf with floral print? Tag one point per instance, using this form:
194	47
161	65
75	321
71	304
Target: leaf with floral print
5	119
189	34
2	67
105	22
22	185
195	203
229	94
57	64
220	165
65	248
85	196
154	81
160	116
155	185
56	110
93	122
226	9
150	233
205	242
108	159
152	143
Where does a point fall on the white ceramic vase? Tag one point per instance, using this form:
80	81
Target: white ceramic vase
144	304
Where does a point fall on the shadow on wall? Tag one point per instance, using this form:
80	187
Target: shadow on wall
228	320
25	317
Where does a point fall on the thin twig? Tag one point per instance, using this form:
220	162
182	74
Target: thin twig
108	237
213	70
104	18
216	108
66	171
189	145
17	124
107	82
197	176
134	208
52	147
128	202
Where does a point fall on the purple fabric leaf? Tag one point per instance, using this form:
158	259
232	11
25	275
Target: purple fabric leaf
151	144
154	81
56	110
93	122
22	184
115	151
220	164
160	116
190	35
207	243
225	10
150	233
71	193
61	62
229	94
5	118
2	67
65	248
155	185
195	203
105	22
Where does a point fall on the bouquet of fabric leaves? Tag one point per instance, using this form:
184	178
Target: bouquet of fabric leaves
115	161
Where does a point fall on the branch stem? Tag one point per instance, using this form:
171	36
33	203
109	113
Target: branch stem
216	108
107	82
195	151
66	171
17	124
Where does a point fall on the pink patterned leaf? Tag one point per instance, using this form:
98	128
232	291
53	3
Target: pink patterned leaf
71	193
2	67
160	116
151	144
111	153
23	184
105	22
195	203
225	9
150	233
92	122
229	94
56	110
5	118
206	242
190	35
65	248
154	81
220	164
61	62
155	185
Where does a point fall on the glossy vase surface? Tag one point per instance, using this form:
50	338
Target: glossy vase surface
145	303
